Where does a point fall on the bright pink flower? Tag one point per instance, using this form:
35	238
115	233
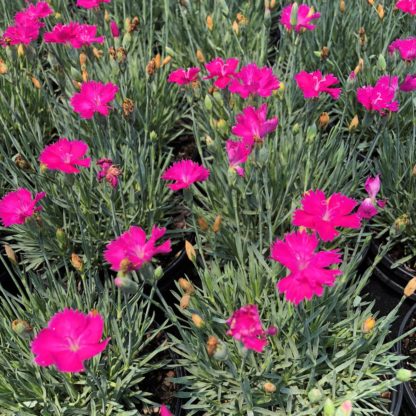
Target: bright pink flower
407	6
20	34
409	83
17	206
93	98
406	48
71	338
115	31
164	411
252	80
314	83
75	34
223	71
245	326
65	155
309	269
131	251
90	4
303	19
368	207
33	12
185	173
238	153
184	77
380	97
108	171
323	214
252	125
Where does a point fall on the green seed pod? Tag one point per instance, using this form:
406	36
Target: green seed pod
329	407
314	395
404	375
208	103
158	272
61	237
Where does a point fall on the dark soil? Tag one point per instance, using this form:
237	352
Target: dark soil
184	148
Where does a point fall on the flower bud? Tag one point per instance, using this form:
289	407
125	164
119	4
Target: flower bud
401	223
21	328
410	288
153	136
404	375
158	272
314	395
380	11
212	344
11	255
221	353
329	408
370	2
381	63
324	120
203	225
186	286
61	237
210	23
296	128
185	300
20	50
107	16
36	83
125	266
342	6
311	133
324	54
3	67
217	224
200	56
208	102
128	107
166	60
354	123
82	59
190	251
98	53
126	284
235	27
77	262
414	170
197	320
294	14
368	325
345	409
269	387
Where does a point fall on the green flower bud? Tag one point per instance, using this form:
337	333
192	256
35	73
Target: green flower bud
294	14
381	63
153	136
208	103
61	237
329	407
221	353
158	272
169	51
404	375
314	395
296	128
126	284
311	133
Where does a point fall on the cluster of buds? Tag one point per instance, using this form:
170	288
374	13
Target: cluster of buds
156	63
131	25
119	54
362	36
83	65
216	349
3	67
189	290
128	107
77	262
239	21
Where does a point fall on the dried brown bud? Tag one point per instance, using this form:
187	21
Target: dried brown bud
210	23
235	27
359	67
98	53
354	123
82	59
22	163
363	36
107	16
84	75
121	54
324	120
380	11
269	387
77	262
342	6
151	67
190	251
410	288
36	83
21	327
200	56
212	345
128	107
3	67
76	84
21	50
368	325
197	320
166	60
203	225
325	52
370	2
11	255
158	62
414	170
132	24
184	303
186	285
125	266
241	19
217	224
112	52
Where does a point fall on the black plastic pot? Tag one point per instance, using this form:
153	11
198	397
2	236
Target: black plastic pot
409	394
396	278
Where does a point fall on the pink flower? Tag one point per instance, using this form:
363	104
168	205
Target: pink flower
380	97
65	155
302	19
368	208
184	77
131	251
409	83
90	4
108	171
223	71
406	48
75	34
238	153
323	215
309	269
252	125
252	80
314	83
407	6
70	338
93	98
20	34
33	12
164	411
245	326
17	206
115	31
185	173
